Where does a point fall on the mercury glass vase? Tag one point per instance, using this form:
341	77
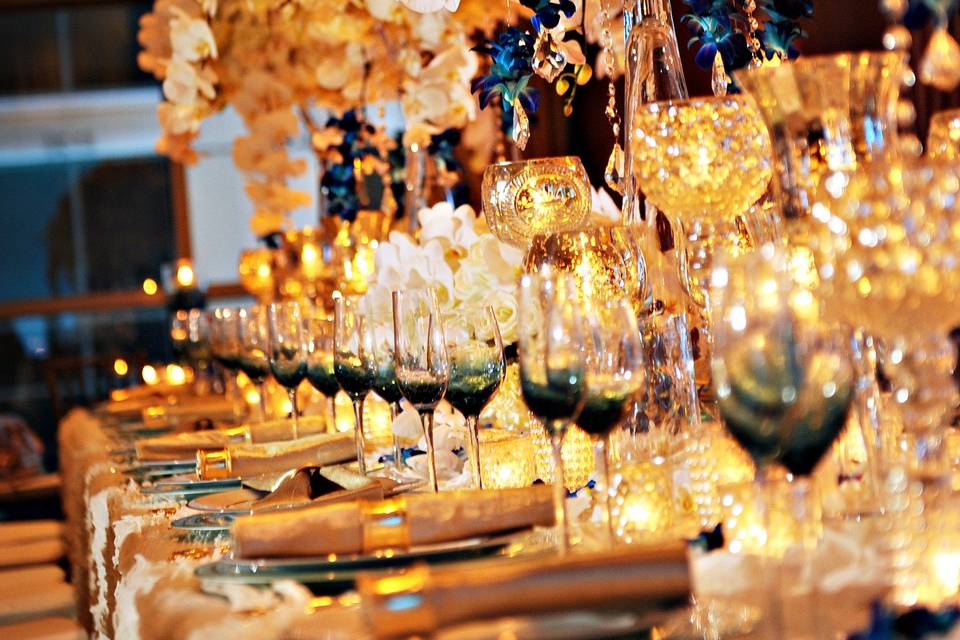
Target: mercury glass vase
530	197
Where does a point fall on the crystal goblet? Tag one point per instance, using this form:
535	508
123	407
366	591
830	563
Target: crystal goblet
703	162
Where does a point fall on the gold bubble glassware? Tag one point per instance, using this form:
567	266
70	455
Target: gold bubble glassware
703	162
943	139
530	197
888	259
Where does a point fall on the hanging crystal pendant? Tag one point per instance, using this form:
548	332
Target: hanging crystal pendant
719	80
521	125
548	59
940	66
613	175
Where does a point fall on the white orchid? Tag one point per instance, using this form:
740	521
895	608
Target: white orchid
427	6
191	38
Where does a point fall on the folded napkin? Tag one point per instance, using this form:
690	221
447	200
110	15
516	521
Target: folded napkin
248	460
185	445
323	485
362	526
425	599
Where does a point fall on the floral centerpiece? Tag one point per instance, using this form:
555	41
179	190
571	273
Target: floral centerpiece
276	62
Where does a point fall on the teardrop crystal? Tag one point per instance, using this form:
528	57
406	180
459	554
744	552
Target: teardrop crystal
940	66
613	174
521	126
719	79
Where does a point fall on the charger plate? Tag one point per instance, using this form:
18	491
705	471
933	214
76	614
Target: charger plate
336	573
186	488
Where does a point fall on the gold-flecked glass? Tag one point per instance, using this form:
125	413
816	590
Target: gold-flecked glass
530	197
605	261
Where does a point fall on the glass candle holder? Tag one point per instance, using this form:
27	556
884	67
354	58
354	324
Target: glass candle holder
530	197
643	507
506	459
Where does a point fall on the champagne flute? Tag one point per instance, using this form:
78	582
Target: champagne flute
380	312
420	354
254	346
353	363
553	367
615	374
477	367
320	371
288	351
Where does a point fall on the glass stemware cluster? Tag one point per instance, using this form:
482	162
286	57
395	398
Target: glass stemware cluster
580	362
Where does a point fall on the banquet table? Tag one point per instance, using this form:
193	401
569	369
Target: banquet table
134	573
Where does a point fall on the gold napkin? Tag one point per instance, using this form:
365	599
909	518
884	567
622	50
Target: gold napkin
357	527
185	445
323	485
248	460
425	599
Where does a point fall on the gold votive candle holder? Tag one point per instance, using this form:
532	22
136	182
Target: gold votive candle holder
507	459
643	507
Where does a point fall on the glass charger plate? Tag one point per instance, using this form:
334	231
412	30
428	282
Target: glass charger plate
190	487
205	522
338	571
234	502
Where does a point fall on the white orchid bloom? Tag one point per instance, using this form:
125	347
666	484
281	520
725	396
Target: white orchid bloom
428	6
191	38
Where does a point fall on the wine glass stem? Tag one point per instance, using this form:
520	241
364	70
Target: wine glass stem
397	451
559	491
431	452
474	453
292	393
770	565
262	393
601	455
332	414
358	435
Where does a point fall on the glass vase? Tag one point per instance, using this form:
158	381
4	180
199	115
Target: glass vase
653	72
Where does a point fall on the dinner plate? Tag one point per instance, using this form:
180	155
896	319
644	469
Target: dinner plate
204	522
337	572
187	488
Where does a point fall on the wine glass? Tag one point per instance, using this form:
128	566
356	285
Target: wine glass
380	311
320	372
553	367
784	380
703	162
353	363
288	351
422	363
254	347
614	375
224	323
477	367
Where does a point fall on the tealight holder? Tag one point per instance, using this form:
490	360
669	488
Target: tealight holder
507	459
